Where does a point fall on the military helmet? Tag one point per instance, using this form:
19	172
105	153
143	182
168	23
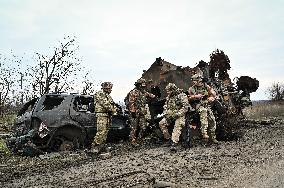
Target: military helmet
106	85
171	87
196	77
140	81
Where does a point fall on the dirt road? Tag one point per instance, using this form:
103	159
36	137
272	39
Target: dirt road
255	160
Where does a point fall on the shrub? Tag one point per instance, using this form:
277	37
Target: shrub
265	109
276	91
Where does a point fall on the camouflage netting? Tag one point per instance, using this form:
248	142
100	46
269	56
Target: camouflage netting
220	64
248	84
203	66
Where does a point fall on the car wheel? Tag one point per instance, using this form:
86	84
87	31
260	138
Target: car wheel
66	146
61	143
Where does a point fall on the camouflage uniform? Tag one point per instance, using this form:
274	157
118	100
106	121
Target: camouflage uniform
139	111
104	109
174	111
201	93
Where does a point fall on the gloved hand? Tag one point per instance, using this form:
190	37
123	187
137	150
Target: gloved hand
199	96
211	99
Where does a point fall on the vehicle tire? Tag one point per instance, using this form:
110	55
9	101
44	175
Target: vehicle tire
67	138
66	146
61	143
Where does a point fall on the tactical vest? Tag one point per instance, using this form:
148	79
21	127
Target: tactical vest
139	99
101	108
175	102
203	90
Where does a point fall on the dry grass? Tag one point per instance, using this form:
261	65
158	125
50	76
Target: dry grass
6	121
265	109
3	148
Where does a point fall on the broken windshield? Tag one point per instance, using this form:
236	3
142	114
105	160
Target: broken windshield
52	102
83	104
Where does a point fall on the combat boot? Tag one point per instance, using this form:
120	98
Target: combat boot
167	143
96	149
214	140
205	136
134	142
141	135
107	149
173	147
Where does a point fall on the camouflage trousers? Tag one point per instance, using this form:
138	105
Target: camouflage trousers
138	122
103	124
179	124
207	120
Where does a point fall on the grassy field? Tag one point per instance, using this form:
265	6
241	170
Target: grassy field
6	121
265	109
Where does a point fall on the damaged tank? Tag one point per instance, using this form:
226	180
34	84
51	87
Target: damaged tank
232	97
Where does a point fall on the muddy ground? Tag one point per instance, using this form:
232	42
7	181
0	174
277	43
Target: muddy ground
254	160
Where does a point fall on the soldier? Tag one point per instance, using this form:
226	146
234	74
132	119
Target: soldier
202	95
175	109
139	111
104	109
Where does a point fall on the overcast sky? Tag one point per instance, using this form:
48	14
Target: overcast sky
120	38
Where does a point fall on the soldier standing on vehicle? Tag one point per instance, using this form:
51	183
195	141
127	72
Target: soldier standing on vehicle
175	109
104	110
202	95
136	102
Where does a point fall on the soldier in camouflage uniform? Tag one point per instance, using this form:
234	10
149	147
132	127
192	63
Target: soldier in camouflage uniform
175	109
104	109
202	94
139	111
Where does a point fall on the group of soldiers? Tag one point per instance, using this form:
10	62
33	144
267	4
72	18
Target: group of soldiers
174	111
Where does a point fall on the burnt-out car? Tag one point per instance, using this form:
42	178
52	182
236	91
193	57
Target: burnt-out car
60	122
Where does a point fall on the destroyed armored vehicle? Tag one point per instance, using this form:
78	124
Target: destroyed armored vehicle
56	122
231	97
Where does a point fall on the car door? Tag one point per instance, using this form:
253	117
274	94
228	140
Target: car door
82	111
52	109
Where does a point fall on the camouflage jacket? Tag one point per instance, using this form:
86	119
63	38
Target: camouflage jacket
204	90
104	104
137	100
176	105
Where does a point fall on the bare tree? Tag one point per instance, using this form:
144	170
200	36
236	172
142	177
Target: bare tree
61	71
276	91
9	81
56	72
88	85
